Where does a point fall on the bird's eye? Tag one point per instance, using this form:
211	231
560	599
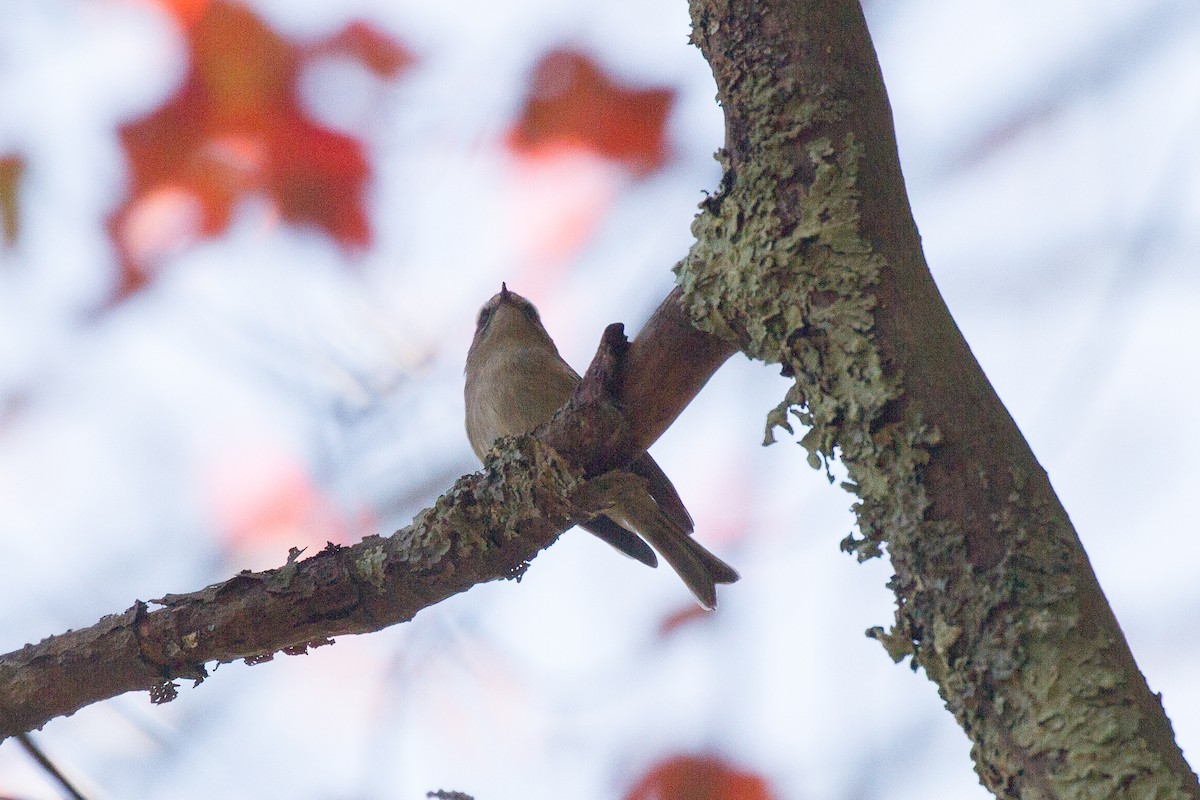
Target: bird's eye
485	315
532	313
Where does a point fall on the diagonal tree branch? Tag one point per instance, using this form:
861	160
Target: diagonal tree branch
489	526
809	257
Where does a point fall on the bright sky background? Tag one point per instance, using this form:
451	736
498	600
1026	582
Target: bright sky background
1050	152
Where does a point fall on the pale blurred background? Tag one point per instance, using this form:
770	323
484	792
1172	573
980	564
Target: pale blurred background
269	388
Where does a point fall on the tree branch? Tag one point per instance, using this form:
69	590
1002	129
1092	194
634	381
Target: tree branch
810	258
489	526
667	365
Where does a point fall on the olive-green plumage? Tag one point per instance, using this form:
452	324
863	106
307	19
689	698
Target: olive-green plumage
516	380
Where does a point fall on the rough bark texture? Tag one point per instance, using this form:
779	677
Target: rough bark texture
808	256
666	366
487	527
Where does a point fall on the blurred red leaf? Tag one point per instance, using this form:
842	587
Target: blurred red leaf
185	12
12	169
235	129
554	205
378	52
266	500
573	101
318	176
682	618
699	778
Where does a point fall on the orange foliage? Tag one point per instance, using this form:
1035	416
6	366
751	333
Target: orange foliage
699	778
236	128
185	12
555	203
266	500
377	51
683	618
573	101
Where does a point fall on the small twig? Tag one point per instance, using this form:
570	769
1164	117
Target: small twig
45	763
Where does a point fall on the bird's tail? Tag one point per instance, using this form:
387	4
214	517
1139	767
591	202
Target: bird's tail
699	569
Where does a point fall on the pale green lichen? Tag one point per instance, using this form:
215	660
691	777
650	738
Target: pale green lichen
1056	690
802	295
781	267
369	566
523	479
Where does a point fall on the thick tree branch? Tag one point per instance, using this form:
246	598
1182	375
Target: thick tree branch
667	365
487	527
809	257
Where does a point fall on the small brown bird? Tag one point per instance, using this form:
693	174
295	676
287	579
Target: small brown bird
516	380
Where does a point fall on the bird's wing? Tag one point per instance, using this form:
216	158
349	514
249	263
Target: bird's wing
663	492
623	540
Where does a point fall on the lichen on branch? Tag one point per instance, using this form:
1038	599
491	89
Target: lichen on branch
781	267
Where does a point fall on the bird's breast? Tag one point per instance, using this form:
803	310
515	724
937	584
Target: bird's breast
514	394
